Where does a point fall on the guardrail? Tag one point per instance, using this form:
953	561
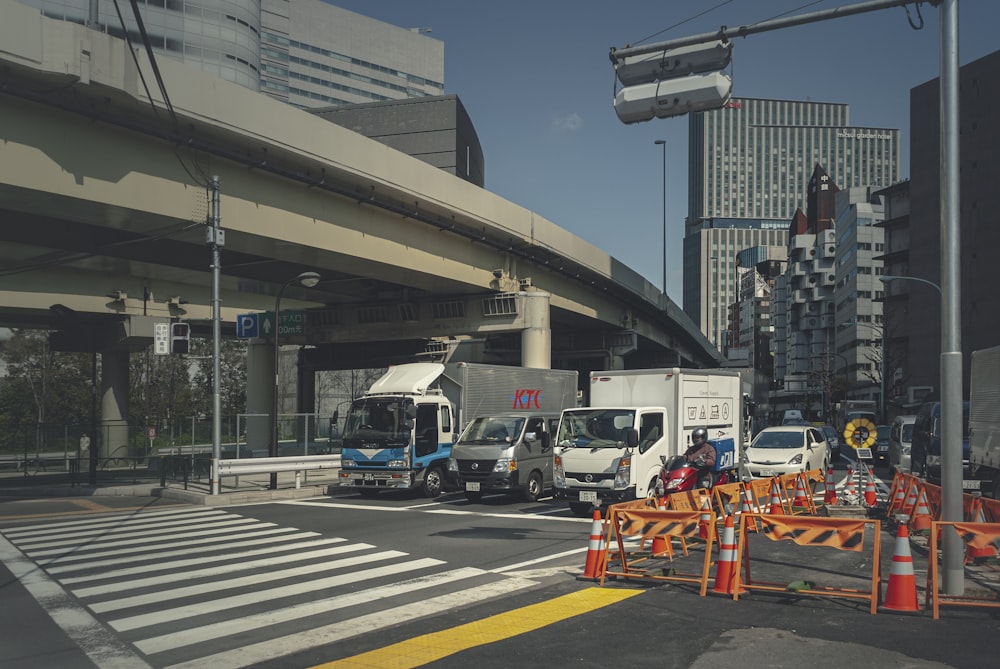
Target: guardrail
293	463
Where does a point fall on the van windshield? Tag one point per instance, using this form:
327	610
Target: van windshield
594	428
493	430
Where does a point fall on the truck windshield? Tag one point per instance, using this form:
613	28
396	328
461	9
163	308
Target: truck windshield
377	419
594	428
493	430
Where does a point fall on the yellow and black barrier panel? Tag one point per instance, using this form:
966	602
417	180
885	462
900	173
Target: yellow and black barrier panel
811	531
650	524
980	536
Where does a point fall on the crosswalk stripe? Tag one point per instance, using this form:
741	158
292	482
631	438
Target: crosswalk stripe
235	565
105	520
237	558
132	536
289	590
271	649
225	628
184	547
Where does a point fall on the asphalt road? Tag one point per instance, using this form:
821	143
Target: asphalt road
409	582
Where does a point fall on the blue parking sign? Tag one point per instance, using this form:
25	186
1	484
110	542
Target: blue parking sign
248	326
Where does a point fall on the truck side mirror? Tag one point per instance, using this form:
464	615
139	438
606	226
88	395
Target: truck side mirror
632	437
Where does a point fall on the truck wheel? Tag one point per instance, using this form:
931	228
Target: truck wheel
532	489
581	509
473	496
433	482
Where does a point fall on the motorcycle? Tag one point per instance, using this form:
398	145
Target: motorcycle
679	475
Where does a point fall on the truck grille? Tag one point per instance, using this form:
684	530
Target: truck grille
476	467
594	478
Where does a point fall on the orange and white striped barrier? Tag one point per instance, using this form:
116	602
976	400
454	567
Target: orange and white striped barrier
901	592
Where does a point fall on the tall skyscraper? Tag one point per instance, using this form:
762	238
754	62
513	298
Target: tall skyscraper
304	52
750	164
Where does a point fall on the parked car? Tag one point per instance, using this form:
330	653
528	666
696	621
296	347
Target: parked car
880	452
900	439
833	440
787	449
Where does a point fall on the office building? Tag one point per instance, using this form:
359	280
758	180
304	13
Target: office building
750	164
913	308
304	52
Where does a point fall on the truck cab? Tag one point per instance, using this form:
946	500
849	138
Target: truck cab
507	453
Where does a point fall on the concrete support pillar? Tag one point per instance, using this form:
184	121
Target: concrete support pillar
113	441
536	338
260	394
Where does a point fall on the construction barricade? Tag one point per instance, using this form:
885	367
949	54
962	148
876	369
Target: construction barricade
649	524
838	533
975	536
728	499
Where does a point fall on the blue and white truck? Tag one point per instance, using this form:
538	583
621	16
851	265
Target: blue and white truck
399	435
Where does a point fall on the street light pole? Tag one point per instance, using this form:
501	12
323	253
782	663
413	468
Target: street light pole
663	144
307	279
886	278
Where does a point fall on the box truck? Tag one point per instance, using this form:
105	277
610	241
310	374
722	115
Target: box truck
610	451
399	434
984	421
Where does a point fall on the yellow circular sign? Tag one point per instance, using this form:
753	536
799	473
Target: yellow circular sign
860	433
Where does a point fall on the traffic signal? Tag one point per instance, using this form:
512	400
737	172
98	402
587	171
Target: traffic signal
180	338
662	84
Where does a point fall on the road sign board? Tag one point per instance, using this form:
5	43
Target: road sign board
161	338
248	326
293	324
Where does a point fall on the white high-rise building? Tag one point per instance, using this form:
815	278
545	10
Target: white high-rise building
749	166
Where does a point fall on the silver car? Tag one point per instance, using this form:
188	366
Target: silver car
833	441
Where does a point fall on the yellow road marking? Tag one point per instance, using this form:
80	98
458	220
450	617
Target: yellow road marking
430	647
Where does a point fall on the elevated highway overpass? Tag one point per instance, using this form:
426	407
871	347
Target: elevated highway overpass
105	202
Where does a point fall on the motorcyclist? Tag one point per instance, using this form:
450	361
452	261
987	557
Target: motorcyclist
701	454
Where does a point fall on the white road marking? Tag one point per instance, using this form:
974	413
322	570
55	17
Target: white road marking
451	512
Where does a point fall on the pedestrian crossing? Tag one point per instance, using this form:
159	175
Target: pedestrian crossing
194	587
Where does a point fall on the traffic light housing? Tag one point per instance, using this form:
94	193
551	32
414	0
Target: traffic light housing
663	84
180	338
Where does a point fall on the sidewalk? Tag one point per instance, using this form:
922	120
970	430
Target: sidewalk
139	483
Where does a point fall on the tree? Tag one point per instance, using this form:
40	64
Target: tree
43	388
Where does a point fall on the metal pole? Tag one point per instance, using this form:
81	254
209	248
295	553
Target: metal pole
663	143
215	238
953	571
273	452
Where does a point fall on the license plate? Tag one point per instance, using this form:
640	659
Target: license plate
588	495
472	486
369	476
766	473
970	485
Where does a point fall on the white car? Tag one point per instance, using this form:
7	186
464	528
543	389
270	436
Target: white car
787	449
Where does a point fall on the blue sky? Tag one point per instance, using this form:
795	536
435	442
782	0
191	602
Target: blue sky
537	82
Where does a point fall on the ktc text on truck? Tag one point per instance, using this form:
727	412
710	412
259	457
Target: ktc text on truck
400	433
610	451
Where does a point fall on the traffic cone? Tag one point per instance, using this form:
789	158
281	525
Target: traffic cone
899	500
901	591
830	495
911	501
871	497
660	544
800	501
775	508
746	508
726	567
921	519
595	550
849	490
705	520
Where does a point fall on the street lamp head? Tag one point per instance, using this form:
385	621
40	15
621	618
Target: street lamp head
660	141
308	279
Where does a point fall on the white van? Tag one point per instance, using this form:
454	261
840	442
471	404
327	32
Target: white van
900	438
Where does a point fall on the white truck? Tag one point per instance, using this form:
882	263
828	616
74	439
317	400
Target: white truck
399	435
984	421
610	451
